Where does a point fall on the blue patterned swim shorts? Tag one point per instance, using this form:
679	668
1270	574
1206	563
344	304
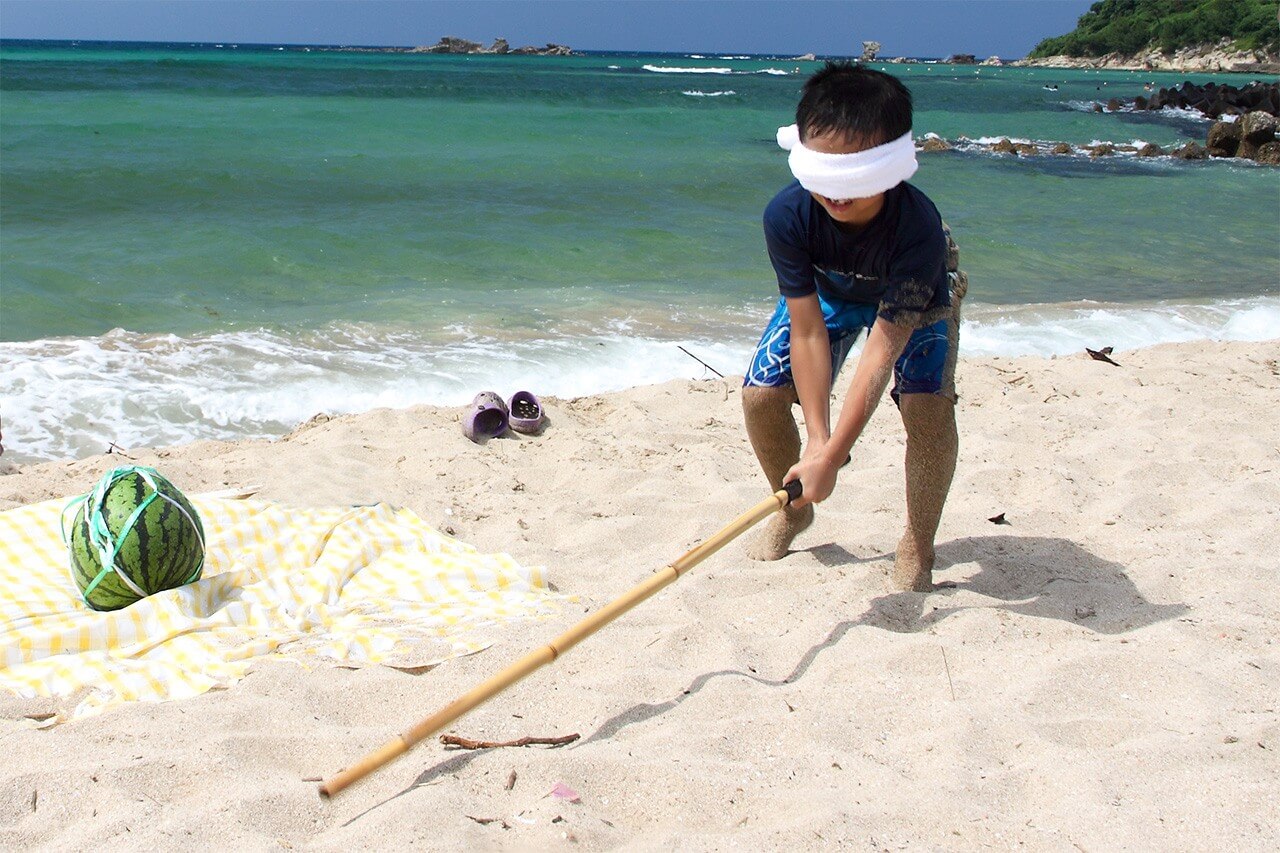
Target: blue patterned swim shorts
926	366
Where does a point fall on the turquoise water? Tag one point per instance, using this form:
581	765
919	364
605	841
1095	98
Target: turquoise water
488	220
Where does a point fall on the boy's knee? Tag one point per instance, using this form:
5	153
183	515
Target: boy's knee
928	414
758	400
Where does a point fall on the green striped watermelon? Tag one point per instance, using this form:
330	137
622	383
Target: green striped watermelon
162	549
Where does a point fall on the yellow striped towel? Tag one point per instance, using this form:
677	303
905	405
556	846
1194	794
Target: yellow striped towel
352	584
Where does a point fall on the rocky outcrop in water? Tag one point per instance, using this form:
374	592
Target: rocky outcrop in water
549	50
869	51
1214	100
452	44
1247	138
1257	131
1224	139
1267	152
1248	116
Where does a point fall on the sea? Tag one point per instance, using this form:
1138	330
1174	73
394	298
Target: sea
218	241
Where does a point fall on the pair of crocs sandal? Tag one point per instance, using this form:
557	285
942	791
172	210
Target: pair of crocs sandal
489	416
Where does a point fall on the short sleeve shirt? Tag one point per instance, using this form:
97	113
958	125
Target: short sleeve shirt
897	261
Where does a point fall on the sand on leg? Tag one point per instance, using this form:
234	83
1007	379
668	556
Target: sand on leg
776	441
932	444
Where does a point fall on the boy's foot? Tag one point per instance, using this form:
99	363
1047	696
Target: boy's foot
775	541
912	570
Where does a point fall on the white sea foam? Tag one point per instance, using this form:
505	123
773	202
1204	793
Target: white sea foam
1187	114
694	93
1165	112
1062	329
69	397
992	140
659	69
1080	151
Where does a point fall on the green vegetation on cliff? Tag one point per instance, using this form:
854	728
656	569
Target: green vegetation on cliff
1132	26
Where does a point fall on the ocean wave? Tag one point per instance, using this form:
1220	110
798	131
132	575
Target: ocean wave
1062	329
1126	151
694	93
1165	112
659	69
992	140
70	397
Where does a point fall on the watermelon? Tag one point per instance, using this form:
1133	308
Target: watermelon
155	533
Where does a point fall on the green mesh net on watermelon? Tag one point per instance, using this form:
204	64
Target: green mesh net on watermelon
134	535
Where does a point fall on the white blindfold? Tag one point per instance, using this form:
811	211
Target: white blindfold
841	176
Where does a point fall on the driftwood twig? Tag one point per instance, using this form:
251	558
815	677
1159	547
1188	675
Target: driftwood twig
467	743
700	361
485	821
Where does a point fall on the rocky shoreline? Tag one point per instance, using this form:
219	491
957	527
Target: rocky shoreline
1218	58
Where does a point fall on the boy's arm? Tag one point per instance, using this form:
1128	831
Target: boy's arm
811	367
817	469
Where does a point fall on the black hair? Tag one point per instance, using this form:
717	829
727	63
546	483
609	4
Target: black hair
856	101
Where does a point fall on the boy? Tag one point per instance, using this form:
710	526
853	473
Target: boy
855	247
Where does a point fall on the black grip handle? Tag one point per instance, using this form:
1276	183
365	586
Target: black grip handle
794	489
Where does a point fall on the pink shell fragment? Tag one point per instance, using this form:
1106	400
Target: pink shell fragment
564	792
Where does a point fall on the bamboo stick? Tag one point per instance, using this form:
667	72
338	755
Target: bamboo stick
539	657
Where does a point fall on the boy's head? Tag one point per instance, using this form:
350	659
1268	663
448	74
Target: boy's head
846	109
860	105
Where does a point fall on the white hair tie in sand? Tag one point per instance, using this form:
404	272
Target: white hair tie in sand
841	176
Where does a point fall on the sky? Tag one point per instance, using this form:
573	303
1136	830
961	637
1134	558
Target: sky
934	28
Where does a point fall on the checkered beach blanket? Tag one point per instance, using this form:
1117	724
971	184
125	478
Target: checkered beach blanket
350	585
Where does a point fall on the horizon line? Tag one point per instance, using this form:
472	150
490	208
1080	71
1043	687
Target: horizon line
233	44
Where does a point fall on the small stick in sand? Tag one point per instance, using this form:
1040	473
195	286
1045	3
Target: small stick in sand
948	666
485	821
700	361
467	743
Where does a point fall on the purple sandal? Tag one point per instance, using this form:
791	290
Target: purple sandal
486	417
526	412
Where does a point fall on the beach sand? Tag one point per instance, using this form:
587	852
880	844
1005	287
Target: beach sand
1099	673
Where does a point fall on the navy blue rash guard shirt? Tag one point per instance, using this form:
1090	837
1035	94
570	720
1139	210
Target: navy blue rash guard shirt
897	261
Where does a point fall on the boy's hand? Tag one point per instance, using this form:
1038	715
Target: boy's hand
817	474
